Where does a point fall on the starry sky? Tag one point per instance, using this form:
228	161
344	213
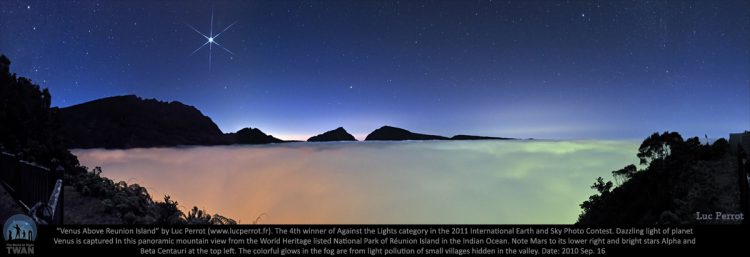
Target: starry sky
542	69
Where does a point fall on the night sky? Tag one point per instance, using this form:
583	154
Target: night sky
543	69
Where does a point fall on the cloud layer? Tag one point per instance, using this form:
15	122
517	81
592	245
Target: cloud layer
524	182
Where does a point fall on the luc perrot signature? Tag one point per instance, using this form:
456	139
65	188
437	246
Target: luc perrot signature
719	216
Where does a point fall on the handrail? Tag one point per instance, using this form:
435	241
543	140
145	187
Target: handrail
34	187
743	168
48	212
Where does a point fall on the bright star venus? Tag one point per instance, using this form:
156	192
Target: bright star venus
211	39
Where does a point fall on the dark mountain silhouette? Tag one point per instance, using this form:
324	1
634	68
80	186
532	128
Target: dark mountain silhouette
251	136
388	133
338	134
29	128
130	121
470	137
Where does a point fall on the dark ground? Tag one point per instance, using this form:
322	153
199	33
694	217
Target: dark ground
8	206
81	209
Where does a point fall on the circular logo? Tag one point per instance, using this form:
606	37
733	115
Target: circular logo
19	227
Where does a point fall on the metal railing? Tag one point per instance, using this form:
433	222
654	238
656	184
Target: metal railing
743	169
37	189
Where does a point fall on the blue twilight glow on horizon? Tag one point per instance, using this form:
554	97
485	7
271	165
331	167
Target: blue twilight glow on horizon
541	69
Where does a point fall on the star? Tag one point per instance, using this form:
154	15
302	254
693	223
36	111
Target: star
211	39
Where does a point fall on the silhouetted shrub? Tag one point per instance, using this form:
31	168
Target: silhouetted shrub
662	192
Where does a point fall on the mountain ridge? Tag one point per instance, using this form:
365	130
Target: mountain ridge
389	133
338	134
129	121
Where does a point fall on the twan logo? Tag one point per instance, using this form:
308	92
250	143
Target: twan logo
19	232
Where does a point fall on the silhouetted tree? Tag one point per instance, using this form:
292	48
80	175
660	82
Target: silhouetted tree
658	146
197	216
719	147
602	187
624	174
168	213
594	203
